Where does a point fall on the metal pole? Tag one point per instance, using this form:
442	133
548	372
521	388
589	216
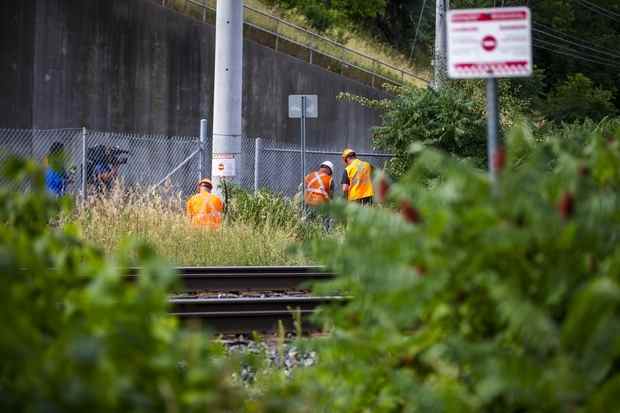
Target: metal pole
493	141
179	166
258	148
228	85
303	153
84	166
440	44
202	147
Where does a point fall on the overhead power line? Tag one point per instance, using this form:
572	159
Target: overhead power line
602	9
560	33
577	52
599	10
553	49
578	44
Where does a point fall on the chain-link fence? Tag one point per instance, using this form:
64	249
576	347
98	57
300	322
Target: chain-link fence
279	165
97	160
147	161
36	144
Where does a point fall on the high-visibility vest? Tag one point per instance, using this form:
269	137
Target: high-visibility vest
360	181
317	188
205	210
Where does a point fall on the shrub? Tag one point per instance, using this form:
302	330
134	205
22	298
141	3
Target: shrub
76	337
577	99
268	210
468	301
446	120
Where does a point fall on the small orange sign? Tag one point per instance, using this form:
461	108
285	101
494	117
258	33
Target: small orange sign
220	167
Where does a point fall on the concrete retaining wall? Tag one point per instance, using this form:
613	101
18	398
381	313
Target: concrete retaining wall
131	65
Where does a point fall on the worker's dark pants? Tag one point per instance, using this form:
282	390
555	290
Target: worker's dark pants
364	201
315	213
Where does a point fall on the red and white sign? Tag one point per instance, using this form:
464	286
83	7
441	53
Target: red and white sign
485	43
223	165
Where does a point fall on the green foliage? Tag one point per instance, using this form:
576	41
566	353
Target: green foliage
447	120
396	22
488	303
265	209
518	97
77	337
578	98
325	14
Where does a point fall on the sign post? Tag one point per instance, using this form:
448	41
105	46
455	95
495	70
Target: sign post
302	107
489	44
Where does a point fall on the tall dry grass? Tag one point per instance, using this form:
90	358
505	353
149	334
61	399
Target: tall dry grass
159	219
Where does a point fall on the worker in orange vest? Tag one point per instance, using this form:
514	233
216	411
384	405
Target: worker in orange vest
319	185
205	209
357	179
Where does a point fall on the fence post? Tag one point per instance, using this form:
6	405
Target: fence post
203	143
84	166
258	148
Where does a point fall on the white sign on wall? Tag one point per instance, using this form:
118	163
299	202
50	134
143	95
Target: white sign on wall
223	165
484	43
294	106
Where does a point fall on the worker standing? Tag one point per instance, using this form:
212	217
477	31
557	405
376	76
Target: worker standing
205	209
56	176
319	190
357	179
319	185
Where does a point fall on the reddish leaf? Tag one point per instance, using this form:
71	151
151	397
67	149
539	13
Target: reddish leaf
566	205
409	213
499	159
384	188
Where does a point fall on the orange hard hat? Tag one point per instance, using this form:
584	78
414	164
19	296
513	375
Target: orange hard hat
206	181
347	152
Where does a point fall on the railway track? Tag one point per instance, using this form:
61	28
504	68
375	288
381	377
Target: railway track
260	310
243	315
227	279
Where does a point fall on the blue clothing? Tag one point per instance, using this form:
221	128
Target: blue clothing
102	168
55	182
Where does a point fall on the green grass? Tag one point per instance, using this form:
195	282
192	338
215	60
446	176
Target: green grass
159	219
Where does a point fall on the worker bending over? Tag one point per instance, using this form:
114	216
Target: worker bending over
205	209
319	185
357	179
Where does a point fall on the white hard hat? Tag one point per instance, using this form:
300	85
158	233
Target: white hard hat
329	165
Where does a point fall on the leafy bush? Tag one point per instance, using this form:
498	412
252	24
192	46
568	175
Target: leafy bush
77	337
578	98
446	120
267	210
323	15
466	301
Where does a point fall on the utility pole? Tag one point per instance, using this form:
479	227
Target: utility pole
439	62
227	91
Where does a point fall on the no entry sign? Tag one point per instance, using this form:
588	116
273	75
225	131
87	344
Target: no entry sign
486	43
223	165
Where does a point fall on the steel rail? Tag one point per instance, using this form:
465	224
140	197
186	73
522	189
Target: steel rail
244	315
257	278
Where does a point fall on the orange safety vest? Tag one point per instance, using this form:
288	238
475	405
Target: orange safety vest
317	188
205	210
360	182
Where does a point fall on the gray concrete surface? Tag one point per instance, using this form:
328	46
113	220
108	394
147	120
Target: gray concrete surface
133	66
